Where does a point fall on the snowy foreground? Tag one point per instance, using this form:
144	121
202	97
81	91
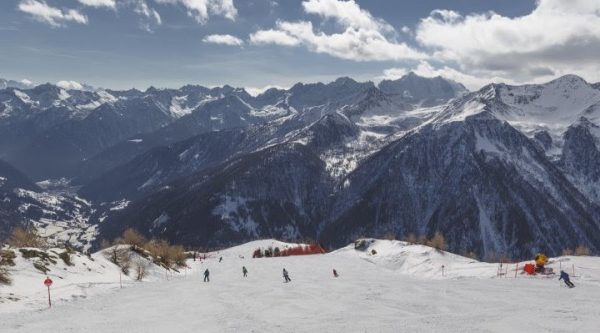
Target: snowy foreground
401	288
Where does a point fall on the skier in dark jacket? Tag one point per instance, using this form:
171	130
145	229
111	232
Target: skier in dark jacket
565	277
206	274
335	273
286	276
244	271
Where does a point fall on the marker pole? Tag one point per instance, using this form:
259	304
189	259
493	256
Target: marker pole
49	300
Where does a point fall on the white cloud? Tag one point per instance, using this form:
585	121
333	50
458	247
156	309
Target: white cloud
556	38
346	13
150	16
425	69
223	39
69	85
200	10
55	17
393	73
272	36
255	91
364	38
99	3
27	82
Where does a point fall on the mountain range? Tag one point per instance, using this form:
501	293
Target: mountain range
505	170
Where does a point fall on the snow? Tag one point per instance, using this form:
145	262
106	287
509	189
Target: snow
69	85
161	220
552	107
340	165
86	277
341	162
400	289
64	216
269	111
63	95
23	97
154	179
178	106
135	140
119	205
469	109
233	211
103	97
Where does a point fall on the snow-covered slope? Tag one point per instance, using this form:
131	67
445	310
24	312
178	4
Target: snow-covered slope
551	107
399	288
84	276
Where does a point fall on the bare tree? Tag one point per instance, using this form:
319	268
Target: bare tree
133	238
27	238
141	268
438	242
582	251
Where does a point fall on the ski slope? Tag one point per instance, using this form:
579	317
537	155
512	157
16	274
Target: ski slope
401	288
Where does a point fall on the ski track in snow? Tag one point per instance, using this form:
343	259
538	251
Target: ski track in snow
397	290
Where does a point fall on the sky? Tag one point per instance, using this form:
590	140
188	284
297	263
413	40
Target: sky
255	44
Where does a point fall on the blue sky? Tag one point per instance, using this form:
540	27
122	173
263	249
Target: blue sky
256	43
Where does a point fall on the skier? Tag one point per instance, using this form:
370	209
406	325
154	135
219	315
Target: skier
244	271
206	274
220	259
565	277
335	273
286	276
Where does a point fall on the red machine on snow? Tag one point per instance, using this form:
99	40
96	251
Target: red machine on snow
539	268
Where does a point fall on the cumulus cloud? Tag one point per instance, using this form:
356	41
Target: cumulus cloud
99	3
346	13
364	38
69	85
255	91
426	69
150	16
201	10
273	36
55	17
223	39
557	37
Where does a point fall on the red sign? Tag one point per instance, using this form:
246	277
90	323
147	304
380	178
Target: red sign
48	282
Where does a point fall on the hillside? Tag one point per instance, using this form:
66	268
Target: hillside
399	288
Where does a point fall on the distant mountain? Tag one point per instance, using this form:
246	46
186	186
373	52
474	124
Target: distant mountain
372	111
298	107
23	84
59	216
422	91
10	179
483	169
505	170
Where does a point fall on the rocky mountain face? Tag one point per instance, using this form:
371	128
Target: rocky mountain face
506	170
415	89
23	84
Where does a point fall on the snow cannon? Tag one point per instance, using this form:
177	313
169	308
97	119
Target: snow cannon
529	269
540	261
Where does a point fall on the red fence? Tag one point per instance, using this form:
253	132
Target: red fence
292	251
